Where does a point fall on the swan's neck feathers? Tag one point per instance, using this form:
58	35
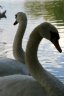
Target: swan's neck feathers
17	45
50	83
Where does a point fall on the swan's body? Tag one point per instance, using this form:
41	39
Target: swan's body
20	85
10	66
44	84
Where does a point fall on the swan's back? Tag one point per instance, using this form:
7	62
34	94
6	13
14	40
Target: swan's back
20	85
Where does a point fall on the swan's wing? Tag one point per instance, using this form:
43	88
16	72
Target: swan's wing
9	66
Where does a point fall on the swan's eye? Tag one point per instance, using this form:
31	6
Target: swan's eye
54	35
15	16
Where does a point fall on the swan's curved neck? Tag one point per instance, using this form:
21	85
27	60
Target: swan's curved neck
17	45
39	73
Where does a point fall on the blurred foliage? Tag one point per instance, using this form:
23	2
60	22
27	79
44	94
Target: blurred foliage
52	10
34	8
55	10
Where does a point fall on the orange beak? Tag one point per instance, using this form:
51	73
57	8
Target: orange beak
56	44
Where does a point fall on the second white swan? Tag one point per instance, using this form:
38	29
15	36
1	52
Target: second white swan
10	66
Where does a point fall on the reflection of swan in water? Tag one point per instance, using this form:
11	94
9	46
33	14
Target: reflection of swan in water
1	7
2	15
24	85
10	66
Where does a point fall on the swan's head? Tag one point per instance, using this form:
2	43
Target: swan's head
51	33
20	17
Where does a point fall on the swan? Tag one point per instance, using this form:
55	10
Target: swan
10	66
42	83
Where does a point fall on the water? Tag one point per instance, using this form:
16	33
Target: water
37	12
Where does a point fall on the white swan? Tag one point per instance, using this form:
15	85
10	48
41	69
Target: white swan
45	84
11	66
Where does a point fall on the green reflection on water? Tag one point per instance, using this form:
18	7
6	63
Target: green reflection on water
51	10
34	8
55	11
